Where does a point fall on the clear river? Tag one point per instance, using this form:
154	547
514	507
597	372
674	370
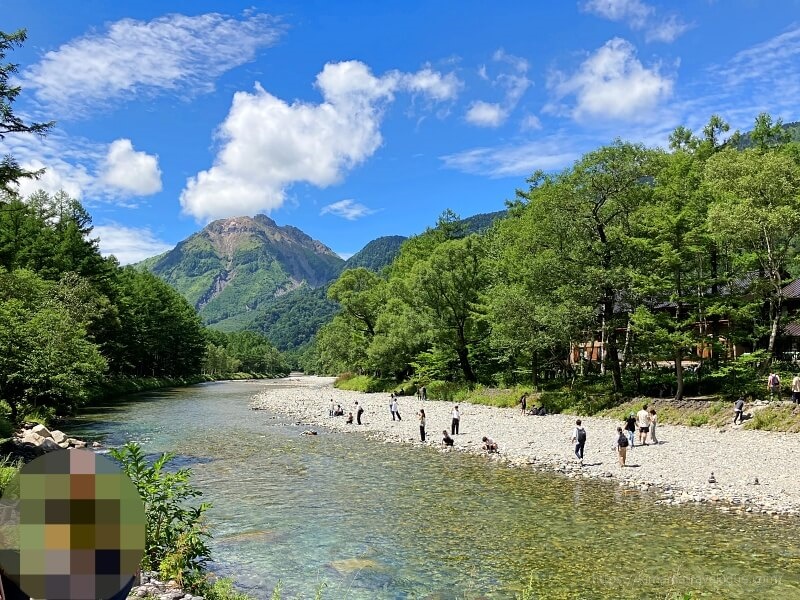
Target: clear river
382	521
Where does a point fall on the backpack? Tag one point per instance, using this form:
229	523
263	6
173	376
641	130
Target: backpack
622	442
581	435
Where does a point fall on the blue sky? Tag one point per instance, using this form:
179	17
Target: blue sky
353	120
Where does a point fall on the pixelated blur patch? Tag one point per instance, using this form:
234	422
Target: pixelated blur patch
72	527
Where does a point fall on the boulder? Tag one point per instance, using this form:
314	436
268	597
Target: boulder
49	444
29	437
64	444
58	436
42	431
79	444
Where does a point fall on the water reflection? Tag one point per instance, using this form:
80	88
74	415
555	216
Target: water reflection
373	520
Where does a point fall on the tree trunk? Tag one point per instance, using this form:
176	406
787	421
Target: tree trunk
776	322
463	360
611	359
678	374
535	368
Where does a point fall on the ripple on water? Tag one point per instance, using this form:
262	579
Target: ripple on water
378	521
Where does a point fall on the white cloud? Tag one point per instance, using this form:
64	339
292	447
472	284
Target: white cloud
347	209
611	84
634	12
531	122
128	244
639	16
268	144
485	114
131	172
514	84
85	170
514	159
667	30
132	58
433	84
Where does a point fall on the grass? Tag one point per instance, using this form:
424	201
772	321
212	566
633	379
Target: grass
775	418
693	413
8	469
363	383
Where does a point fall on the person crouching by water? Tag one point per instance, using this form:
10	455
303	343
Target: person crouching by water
349	418
421	415
621	446
489	445
447	441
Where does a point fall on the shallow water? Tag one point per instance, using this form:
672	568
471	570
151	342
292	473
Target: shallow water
384	521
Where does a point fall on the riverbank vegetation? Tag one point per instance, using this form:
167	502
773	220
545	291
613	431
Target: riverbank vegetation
635	272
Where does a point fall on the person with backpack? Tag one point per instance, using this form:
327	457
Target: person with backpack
621	446
579	439
630	428
774	386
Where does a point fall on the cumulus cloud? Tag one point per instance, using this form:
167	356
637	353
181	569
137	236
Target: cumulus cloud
514	159
347	209
85	170
611	84
485	114
639	16
131	172
267	144
128	244
513	84
132	58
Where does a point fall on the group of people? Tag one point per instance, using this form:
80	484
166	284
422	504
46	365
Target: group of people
774	387
523	401
643	423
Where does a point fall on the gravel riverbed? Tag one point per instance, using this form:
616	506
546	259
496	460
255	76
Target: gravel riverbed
676	470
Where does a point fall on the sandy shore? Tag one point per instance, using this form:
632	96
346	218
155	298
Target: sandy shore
677	469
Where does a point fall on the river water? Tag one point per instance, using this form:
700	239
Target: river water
380	521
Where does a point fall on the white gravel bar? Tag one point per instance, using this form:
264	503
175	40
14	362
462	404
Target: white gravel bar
677	470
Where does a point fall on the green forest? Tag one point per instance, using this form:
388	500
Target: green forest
75	326
635	271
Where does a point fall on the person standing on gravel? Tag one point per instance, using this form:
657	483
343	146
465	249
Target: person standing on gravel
621	446
455	421
643	423
579	439
774	386
738	409
796	389
523	401
653	421
421	415
395	409
359	412
630	427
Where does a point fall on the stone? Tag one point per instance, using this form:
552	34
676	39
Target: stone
49	444
80	444
64	444
95	444
141	592
58	436
29	437
42	431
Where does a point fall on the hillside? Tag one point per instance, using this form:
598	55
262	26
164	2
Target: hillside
377	254
232	266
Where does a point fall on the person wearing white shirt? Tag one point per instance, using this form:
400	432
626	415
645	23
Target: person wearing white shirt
454	423
643	423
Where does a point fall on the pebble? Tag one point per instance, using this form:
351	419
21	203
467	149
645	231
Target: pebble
680	464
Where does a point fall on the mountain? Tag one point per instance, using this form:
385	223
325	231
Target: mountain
377	254
248	273
233	266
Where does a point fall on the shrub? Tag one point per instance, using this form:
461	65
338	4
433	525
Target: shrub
41	415
443	390
697	420
6	429
363	383
8	469
176	535
222	589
